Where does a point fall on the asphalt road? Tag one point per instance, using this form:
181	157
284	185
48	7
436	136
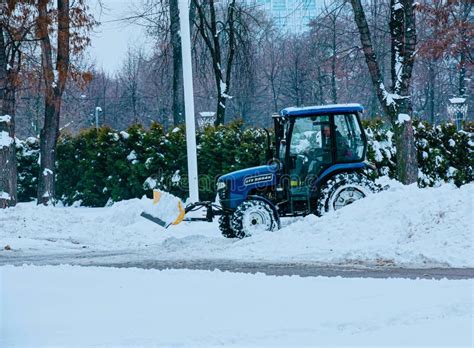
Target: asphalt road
132	259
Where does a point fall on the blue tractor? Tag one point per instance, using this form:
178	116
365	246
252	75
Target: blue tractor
316	164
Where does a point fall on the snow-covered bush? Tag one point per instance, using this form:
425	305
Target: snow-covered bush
98	167
381	147
27	154
444	154
101	166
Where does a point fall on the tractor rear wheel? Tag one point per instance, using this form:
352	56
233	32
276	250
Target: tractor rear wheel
224	226
253	216
343	189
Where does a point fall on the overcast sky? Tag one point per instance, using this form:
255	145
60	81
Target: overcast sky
110	41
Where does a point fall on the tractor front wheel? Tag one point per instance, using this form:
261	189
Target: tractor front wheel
224	226
343	189
253	216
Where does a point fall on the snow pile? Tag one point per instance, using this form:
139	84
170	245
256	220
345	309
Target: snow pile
33	229
405	226
89	306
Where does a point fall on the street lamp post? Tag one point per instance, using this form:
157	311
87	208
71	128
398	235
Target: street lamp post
189	100
457	111
97	110
206	118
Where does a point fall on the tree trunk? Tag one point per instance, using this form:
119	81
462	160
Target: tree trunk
220	85
431	92
462	74
320	86
55	82
403	39
8	165
407	162
178	93
220	115
48	141
466	7
397	104
274	93
333	64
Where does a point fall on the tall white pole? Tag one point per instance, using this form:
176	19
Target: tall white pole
189	100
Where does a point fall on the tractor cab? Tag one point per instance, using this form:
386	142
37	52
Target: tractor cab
309	142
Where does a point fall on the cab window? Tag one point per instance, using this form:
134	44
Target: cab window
349	140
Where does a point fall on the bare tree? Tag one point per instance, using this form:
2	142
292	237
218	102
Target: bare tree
449	31
162	20
296	71
270	69
130	79
397	103
15	27
272	64
213	31
73	26
331	21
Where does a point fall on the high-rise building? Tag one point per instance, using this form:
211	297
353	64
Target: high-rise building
290	15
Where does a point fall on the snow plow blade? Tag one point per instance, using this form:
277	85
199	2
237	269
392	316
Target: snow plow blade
166	209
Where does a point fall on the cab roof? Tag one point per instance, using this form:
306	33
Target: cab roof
321	110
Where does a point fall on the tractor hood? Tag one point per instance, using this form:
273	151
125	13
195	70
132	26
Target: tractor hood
235	187
262	175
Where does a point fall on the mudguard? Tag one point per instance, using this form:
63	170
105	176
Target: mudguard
338	168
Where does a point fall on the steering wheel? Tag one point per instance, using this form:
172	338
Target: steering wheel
304	157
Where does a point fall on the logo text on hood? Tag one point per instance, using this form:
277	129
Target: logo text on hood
258	179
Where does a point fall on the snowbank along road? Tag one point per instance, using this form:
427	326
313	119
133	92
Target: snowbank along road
404	227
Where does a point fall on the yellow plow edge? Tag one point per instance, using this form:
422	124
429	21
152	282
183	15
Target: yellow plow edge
156	199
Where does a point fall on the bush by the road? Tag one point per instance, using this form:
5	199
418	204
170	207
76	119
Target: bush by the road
104	165
444	154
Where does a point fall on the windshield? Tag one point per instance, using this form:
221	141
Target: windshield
308	134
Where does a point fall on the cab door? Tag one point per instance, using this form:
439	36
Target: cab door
310	149
309	152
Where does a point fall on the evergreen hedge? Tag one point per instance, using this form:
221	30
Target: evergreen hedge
98	167
444	154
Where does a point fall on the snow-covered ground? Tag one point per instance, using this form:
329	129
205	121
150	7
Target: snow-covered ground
404	226
87	306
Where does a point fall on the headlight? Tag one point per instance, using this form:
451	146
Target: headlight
221	185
